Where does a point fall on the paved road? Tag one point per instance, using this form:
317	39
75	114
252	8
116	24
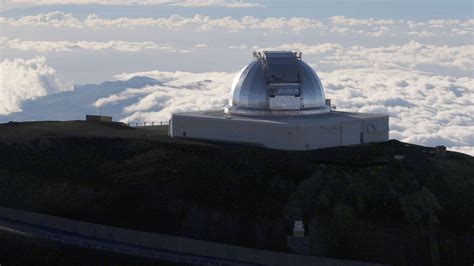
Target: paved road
66	238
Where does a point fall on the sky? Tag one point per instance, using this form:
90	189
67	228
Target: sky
412	60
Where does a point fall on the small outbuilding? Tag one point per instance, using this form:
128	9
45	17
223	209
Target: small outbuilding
277	101
102	118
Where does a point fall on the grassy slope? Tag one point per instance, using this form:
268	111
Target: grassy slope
357	202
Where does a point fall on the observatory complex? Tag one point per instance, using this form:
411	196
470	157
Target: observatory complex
277	101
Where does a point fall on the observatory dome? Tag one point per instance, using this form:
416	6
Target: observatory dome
277	83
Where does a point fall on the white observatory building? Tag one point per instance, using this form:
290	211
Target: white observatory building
277	101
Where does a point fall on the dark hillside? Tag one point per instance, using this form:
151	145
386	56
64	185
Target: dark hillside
20	249
356	202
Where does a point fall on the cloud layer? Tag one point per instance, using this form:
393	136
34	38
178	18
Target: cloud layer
198	22
181	91
424	109
334	25
23	80
63	46
181	3
410	56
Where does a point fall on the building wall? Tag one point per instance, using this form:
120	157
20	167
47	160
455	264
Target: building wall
350	134
318	136
216	129
281	135
381	130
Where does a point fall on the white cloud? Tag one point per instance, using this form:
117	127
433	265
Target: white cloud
61	46
124	95
23	80
181	3
53	19
424	109
85	2
221	3
338	25
198	22
443	22
201	45
361	22
207	23
408	56
389	27
240	47
310	49
421	33
181	91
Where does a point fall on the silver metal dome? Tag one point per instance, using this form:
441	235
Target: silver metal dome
277	83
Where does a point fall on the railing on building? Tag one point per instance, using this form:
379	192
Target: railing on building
148	124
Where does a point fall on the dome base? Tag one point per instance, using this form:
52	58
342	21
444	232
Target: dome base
233	110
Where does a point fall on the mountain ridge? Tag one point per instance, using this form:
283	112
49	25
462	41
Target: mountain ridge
75	104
